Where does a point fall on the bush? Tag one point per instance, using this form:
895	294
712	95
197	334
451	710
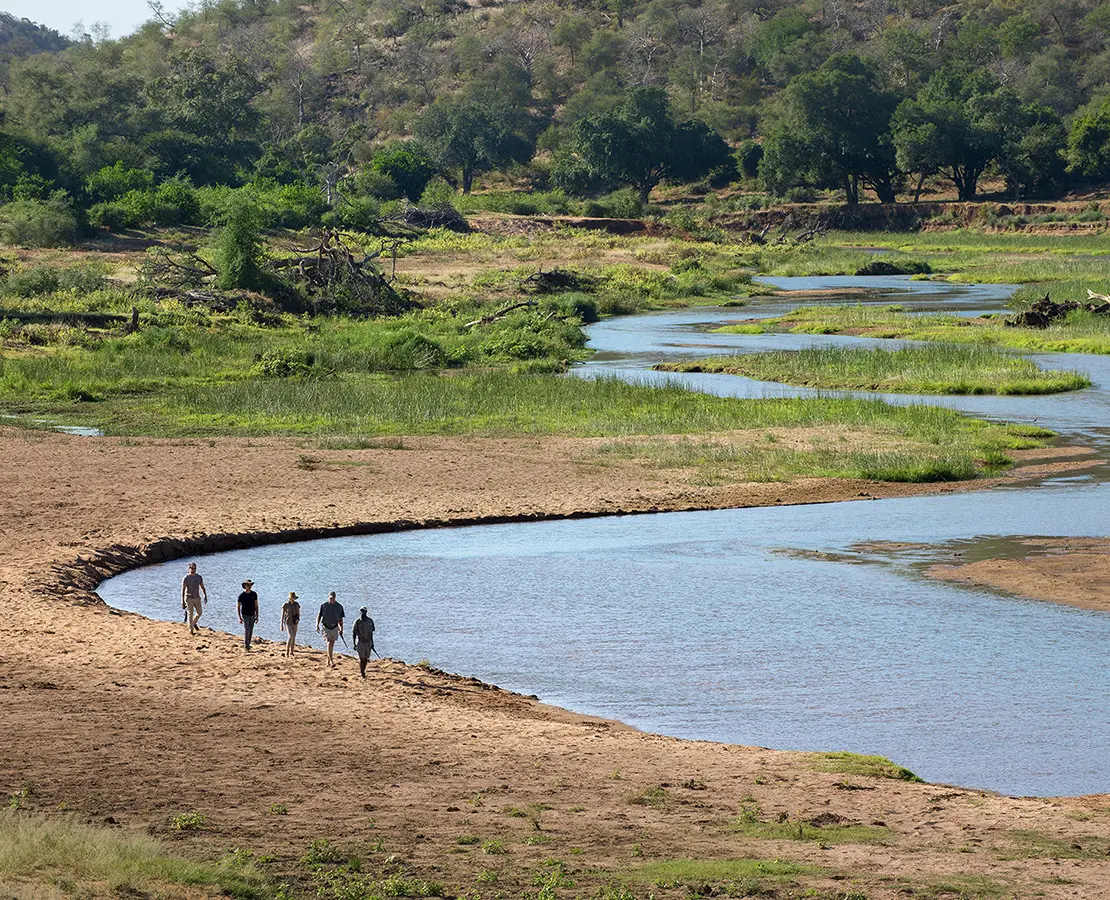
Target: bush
748	157
40	280
621	204
39	223
113	182
285	362
407	167
239	246
377	184
297	205
408	349
357	214
902	267
176	203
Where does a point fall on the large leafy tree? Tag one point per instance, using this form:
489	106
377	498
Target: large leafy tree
639	144
489	126
832	127
957	125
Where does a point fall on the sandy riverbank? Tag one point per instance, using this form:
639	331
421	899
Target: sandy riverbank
117	716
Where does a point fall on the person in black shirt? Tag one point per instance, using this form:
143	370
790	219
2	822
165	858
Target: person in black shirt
363	633
248	611
331	616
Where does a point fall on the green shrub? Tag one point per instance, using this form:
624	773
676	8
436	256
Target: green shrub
39	223
285	362
621	204
355	213
407	167
176	203
239	246
408	349
39	280
115	181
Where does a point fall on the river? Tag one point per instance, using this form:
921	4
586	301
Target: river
780	627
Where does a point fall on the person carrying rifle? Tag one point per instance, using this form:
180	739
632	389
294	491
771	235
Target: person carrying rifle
363	633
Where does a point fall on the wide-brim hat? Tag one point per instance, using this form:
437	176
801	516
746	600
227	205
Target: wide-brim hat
293	595
248	583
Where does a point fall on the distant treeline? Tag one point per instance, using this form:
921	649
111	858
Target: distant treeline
336	107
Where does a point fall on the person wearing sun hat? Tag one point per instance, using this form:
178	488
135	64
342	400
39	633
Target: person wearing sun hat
248	611
290	619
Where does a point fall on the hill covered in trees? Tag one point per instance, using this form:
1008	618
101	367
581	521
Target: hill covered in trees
336	107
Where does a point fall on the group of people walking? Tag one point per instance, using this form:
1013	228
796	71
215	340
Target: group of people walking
329	620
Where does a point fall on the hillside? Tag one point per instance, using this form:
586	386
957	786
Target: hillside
870	98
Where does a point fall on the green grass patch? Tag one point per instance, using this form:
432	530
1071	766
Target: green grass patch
658	797
934	369
845	763
798	830
847	438
44	853
728	877
1025	844
1080	332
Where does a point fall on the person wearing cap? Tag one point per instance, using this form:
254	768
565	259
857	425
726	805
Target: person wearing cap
331	616
363	634
290	619
191	587
248	611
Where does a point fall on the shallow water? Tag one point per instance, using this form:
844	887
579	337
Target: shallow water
758	626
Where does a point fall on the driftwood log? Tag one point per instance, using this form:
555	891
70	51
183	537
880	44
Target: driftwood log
1046	311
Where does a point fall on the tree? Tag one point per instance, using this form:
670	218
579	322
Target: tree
1089	142
490	126
407	165
956	126
1033	160
832	127
639	145
466	135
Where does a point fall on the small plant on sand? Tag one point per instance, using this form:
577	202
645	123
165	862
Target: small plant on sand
279	809
550	878
493	846
469	839
16	800
189	821
322	852
487	876
657	796
308	463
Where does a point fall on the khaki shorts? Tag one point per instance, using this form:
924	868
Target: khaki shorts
332	634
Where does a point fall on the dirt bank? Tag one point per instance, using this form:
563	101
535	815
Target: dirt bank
1075	571
116	716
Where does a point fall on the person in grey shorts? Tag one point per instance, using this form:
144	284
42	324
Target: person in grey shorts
331	617
192	586
290	619
247	607
363	633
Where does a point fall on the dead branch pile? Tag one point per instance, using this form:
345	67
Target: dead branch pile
179	271
432	215
557	281
1045	312
333	273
